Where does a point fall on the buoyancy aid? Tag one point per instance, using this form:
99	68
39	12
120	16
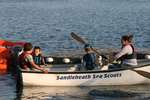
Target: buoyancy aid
22	62
129	56
37	59
90	61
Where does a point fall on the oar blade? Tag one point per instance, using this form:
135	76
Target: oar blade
78	38
143	73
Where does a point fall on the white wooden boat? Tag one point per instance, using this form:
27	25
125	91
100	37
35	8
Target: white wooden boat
63	75
128	76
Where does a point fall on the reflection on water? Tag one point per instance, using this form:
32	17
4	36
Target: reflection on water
117	95
138	92
7	87
64	93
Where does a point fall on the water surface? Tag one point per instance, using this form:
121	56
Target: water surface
48	23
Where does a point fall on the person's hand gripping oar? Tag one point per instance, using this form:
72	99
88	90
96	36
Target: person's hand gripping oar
82	41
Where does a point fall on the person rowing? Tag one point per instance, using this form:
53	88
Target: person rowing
127	54
90	58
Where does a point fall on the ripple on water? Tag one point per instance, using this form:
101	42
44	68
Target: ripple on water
137	92
8	87
48	23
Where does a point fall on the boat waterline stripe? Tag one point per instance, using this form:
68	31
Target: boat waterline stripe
143	73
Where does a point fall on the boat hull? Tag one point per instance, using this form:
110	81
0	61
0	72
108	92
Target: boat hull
91	78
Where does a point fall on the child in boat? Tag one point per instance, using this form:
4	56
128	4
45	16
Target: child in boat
26	59
127	54
89	59
37	56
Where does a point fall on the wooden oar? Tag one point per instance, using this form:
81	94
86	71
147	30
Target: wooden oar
78	38
82	41
143	73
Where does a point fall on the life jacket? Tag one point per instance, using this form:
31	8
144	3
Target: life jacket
90	61
37	59
22	63
129	56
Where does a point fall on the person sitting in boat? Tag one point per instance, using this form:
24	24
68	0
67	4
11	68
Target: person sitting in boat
26	60
127	54
37	56
89	59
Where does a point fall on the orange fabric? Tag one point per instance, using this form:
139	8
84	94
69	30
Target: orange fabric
5	56
3	68
9	43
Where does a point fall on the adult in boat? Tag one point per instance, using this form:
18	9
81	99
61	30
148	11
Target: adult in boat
127	53
90	58
26	60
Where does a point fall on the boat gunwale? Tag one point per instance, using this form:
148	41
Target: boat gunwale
86	72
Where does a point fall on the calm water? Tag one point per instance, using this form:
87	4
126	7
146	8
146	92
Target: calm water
48	23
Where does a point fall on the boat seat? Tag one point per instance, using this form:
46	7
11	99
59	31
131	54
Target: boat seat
143	62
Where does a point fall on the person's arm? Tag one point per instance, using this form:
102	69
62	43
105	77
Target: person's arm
83	64
30	59
122	52
83	61
37	67
43	61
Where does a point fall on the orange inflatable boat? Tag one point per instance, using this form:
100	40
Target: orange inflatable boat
5	54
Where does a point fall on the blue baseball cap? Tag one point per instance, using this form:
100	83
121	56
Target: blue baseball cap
87	46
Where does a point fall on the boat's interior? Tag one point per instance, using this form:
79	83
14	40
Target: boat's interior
71	64
65	64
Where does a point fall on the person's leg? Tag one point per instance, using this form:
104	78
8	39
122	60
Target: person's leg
114	66
126	66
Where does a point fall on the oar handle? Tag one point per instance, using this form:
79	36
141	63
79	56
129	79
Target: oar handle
95	51
103	56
